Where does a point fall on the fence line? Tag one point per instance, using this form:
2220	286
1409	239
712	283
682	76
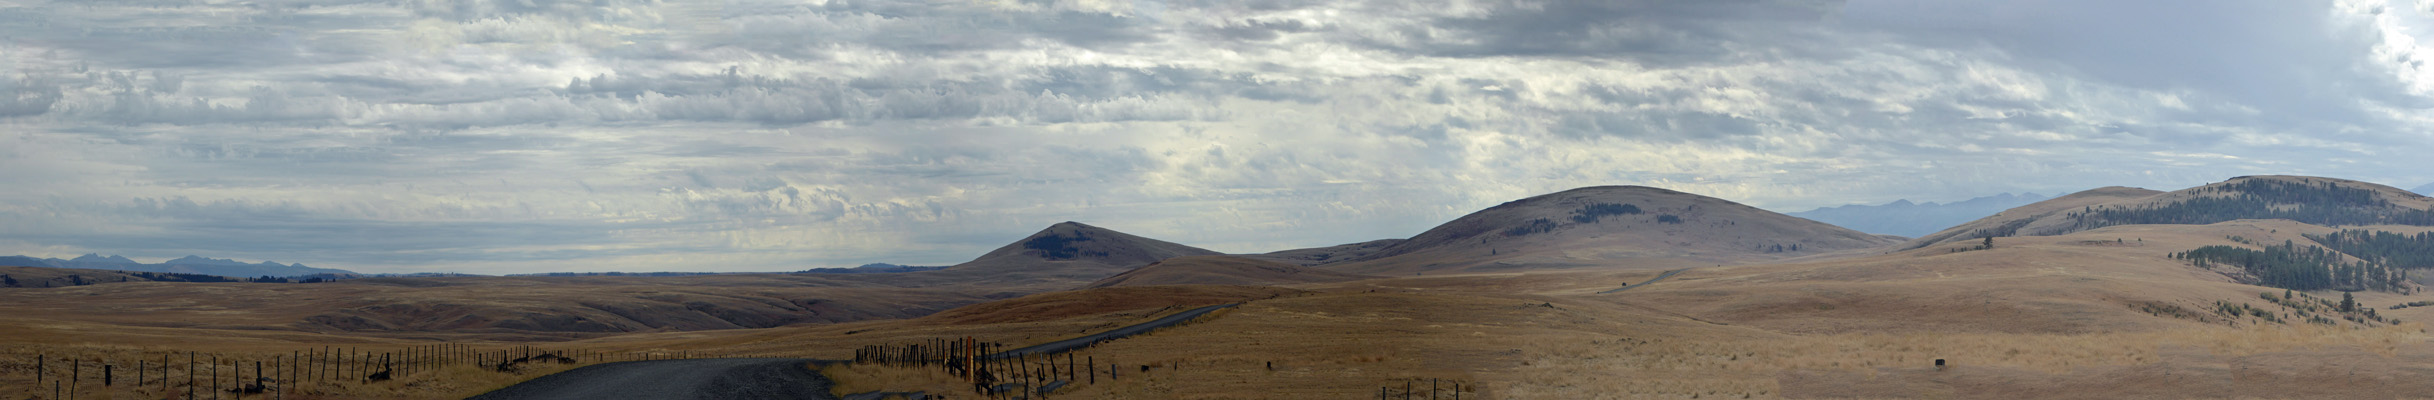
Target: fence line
70	372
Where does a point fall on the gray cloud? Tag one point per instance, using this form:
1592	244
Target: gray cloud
526	135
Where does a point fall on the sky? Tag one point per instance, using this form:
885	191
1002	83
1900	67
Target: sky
518	136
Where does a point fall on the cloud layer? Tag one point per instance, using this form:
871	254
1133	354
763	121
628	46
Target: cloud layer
533	135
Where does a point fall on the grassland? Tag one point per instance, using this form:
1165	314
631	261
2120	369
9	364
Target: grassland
2095	314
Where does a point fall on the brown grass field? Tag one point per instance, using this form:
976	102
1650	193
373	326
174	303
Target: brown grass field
2072	316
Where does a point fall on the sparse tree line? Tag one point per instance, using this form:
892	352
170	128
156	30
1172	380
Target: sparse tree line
1586	214
2327	204
2289	307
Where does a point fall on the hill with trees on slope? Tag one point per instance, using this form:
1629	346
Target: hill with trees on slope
1626	226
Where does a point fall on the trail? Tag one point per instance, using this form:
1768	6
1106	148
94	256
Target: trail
1659	277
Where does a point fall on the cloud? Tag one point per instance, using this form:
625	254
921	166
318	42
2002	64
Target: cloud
516	136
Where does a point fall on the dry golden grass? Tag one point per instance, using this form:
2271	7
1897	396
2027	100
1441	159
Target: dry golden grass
850	378
2053	317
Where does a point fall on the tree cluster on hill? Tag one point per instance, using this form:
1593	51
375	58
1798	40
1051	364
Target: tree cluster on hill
1060	247
1535	226
2326	204
1590	213
2291	266
2390	249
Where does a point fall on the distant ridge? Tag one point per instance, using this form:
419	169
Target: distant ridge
2427	190
184	265
1907	219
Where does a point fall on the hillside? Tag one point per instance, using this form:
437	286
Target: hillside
1325	255
2311	200
2001	223
1221	270
1907	219
1630	226
1070	251
48	277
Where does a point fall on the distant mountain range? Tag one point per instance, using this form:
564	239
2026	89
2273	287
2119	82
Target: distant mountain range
2428	189
1907	219
184	265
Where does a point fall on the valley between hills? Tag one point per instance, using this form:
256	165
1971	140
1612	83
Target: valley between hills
2255	287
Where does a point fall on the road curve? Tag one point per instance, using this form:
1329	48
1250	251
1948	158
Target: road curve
707	378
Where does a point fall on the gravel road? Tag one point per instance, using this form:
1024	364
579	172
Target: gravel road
709	378
1119	333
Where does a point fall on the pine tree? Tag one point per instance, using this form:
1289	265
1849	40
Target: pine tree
2348	303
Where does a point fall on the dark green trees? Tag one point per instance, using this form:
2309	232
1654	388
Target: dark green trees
2290	266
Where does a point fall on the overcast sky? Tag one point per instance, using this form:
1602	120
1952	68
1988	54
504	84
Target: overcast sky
508	136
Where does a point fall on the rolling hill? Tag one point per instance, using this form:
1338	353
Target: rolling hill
2310	200
1221	270
1070	251
1627	226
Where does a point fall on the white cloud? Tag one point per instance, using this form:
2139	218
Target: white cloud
513	136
